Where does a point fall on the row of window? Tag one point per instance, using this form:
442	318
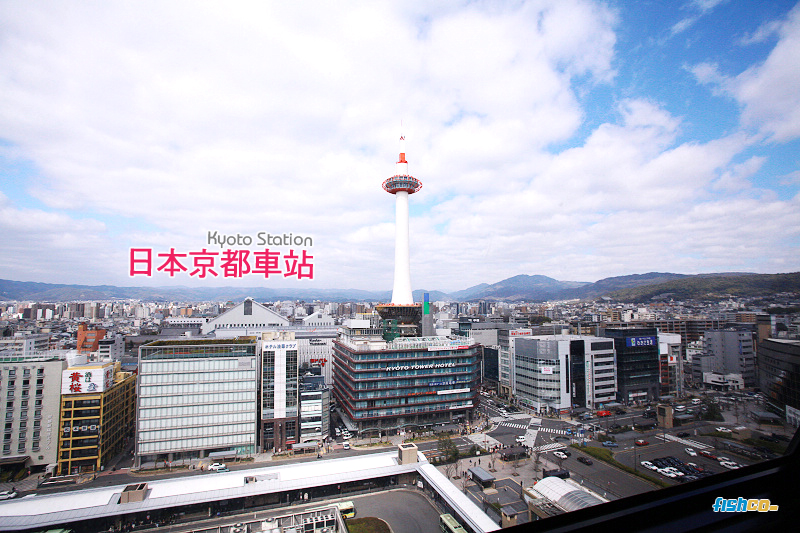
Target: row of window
200	400
26	372
419	372
409	401
409	410
198	377
167	441
155	367
151	419
191	388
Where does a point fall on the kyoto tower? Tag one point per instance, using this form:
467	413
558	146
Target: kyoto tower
402	309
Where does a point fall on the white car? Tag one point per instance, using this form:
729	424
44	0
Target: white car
729	464
560	455
7	495
691	452
723	430
346	445
216	466
649	465
521	438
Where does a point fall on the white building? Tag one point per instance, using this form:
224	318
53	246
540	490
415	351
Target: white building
24	344
280	386
247	318
31	391
196	397
561	372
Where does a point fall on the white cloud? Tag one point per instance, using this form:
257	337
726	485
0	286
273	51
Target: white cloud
769	93
165	121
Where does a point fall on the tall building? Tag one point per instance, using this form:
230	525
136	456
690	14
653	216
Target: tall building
779	377
98	404
407	382
731	351
280	391
315	402
196	397
31	389
556	373
637	363
670	364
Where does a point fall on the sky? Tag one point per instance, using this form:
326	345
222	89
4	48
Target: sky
574	139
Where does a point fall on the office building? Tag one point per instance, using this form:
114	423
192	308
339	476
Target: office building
405	382
280	391
779	377
731	351
196	397
637	364
670	364
98	404
30	388
315	403
557	373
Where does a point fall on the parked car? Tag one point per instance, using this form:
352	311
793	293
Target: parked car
723	429
216	466
610	444
729	464
641	442
710	455
691	452
346	445
649	465
8	494
585	460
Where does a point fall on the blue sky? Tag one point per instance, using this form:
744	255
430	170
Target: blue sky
573	139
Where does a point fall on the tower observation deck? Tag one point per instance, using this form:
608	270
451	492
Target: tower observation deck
402	311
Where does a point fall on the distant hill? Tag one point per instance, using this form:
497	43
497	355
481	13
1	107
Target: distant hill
522	287
710	286
532	288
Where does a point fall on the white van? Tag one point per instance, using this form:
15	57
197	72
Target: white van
695	401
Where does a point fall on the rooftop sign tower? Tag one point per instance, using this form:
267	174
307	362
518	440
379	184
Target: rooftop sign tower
402	315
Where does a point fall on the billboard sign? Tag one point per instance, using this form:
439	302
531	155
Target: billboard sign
82	380
635	342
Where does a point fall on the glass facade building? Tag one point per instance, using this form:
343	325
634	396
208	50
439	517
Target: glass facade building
406	383
637	363
195	397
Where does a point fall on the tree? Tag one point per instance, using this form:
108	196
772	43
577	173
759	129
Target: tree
446	447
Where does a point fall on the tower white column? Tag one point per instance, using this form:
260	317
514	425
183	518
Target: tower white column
401	293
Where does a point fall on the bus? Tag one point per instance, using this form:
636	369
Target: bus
448	524
347	509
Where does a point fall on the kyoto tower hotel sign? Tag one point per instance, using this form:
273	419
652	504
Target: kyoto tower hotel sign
402	309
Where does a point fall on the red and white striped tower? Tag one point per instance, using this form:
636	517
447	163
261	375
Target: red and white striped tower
402	310
402	184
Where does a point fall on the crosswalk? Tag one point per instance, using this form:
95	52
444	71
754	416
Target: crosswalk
549	447
557	431
513	425
687	442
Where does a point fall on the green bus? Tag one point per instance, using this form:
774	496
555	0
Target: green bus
448	524
347	509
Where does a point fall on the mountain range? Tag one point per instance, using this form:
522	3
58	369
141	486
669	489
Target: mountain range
532	288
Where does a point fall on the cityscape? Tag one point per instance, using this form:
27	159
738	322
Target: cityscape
199	225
